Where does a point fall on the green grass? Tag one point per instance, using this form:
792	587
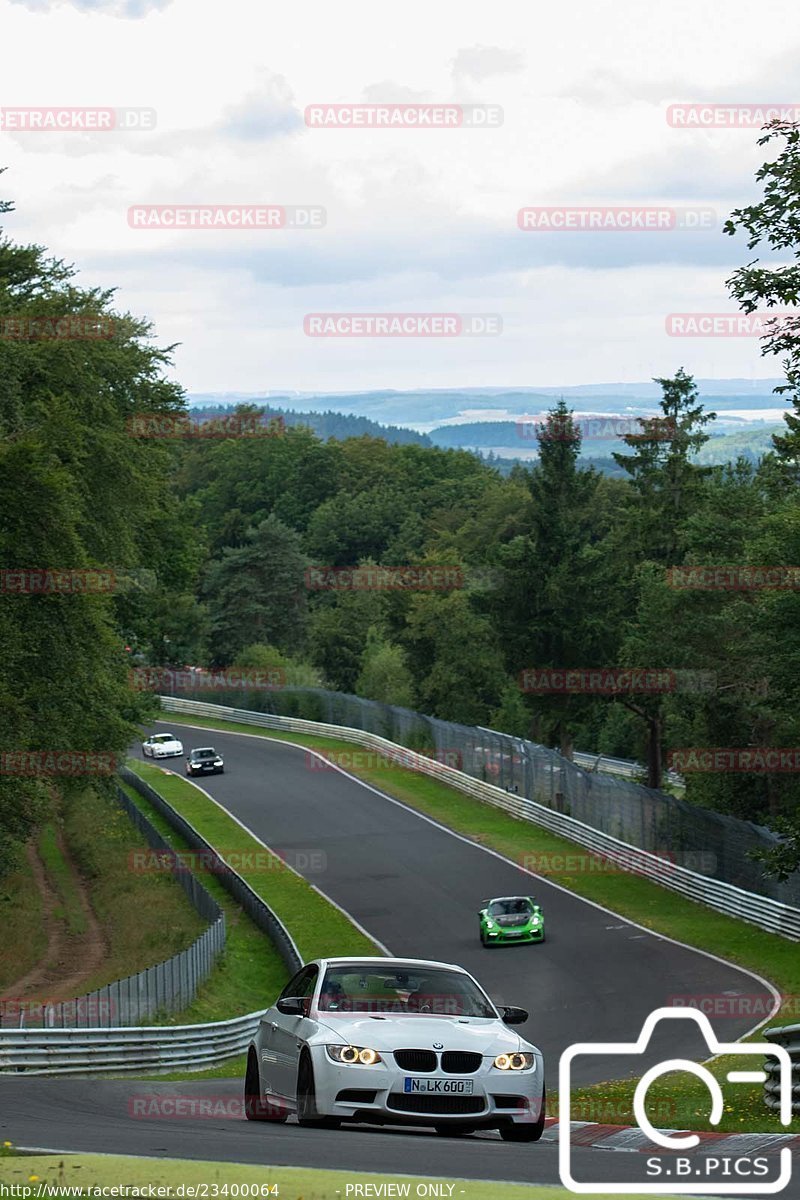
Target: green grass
145	917
655	908
248	975
69	908
291	1183
24	940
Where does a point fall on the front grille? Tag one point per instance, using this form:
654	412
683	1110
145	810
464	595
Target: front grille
446	1105
461	1062
510	1101
415	1060
356	1096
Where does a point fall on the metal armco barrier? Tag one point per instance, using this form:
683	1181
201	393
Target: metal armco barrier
788	1036
111	1051
767	913
167	987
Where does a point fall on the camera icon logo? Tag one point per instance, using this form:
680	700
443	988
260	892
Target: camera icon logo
689	1179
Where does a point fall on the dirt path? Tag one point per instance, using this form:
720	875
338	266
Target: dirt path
69	959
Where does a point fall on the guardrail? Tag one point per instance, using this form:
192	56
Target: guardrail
135	1048
625	767
789	1037
723	897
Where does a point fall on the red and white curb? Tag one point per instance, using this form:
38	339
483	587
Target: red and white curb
628	1137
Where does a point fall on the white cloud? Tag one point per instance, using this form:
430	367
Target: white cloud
417	218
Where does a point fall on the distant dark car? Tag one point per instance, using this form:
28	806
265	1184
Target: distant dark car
204	761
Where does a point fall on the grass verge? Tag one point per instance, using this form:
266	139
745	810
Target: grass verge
632	896
24	939
145	918
69	908
247	976
289	1183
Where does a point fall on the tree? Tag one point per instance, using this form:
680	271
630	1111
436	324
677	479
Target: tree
262	657
384	673
556	577
773	223
454	657
668	484
77	492
256	592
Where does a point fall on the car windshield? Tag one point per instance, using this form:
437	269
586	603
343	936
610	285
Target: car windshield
511	907
163	737
204	754
410	990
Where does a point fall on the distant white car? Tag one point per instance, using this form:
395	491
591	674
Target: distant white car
162	745
400	1041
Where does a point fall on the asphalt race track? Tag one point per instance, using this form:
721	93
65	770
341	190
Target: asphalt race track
416	888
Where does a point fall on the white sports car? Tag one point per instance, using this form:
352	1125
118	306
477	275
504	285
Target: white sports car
162	745
388	1040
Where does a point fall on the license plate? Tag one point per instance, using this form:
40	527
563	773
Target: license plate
514	933
440	1087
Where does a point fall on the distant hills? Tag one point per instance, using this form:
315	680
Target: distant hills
497	423
425	409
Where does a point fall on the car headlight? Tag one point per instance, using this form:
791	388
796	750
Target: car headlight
514	1062
362	1055
217	762
490	924
535	920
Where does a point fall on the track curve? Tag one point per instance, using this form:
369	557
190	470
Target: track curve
415	887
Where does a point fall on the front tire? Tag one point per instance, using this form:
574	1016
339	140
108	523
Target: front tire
307	1113
255	1107
526	1133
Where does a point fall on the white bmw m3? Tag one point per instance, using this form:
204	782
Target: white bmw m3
400	1041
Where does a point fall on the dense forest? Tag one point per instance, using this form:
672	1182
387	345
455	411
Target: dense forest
557	564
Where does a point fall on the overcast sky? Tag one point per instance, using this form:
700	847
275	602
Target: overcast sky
418	220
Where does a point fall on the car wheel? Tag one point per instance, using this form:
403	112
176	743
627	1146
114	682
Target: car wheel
307	1113
454	1130
526	1133
255	1107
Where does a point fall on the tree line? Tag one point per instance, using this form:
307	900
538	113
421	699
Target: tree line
560	567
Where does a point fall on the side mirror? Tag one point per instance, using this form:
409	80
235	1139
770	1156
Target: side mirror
513	1016
292	1006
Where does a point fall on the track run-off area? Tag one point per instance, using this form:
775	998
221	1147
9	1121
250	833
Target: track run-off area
415	887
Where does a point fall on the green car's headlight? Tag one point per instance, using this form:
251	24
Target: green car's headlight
489	924
363	1055
514	1062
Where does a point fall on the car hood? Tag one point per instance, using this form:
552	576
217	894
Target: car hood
392	1033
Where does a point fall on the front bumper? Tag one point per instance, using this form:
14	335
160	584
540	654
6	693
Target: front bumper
204	770
168	753
507	937
377	1094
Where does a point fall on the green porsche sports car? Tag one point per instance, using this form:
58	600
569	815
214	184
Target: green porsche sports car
511	919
